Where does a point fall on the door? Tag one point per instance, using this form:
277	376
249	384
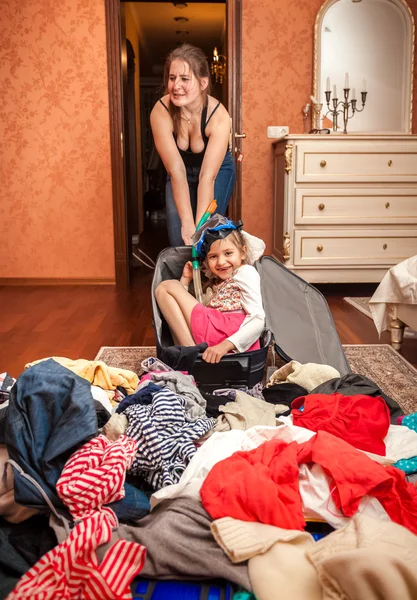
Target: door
115	43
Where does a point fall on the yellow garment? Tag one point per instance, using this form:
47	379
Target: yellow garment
97	373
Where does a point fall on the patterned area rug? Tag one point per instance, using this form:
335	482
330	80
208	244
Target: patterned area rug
394	375
361	304
380	362
125	357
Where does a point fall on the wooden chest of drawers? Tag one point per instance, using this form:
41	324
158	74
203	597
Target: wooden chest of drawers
345	207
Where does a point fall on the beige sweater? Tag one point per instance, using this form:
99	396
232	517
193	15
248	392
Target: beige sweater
365	560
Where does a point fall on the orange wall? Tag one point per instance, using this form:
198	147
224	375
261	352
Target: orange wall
277	62
55	177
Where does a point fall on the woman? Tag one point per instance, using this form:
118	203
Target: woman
191	133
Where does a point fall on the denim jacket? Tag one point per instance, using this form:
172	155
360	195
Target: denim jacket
51	414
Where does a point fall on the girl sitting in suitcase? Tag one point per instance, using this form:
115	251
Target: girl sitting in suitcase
232	317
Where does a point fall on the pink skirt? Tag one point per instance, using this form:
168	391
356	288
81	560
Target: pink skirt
212	326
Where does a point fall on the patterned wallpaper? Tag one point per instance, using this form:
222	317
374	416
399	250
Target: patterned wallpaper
55	193
55	198
277	59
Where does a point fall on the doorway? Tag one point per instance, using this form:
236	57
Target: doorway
122	18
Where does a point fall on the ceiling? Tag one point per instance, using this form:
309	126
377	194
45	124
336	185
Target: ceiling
158	30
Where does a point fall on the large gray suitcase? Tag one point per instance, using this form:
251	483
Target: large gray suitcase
297	316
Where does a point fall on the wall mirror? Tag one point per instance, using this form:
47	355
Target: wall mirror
372	41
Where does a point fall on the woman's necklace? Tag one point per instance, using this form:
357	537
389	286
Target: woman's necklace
185	118
188	119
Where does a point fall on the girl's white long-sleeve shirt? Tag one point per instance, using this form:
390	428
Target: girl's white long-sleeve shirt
242	291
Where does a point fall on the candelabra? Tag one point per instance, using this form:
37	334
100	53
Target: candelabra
345	106
218	66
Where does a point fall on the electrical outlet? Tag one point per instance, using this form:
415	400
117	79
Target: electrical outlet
278	131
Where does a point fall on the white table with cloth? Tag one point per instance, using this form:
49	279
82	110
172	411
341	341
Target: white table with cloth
394	303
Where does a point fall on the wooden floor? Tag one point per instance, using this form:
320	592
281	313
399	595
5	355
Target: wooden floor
74	321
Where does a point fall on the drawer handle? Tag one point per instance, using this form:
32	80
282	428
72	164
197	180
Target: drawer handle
385	246
386	204
321	206
323	163
390	163
319	248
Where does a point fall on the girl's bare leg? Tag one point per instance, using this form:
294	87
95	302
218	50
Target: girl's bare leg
176	304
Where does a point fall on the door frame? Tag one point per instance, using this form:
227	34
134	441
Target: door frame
234	93
114	59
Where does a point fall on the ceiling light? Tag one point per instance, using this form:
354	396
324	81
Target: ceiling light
181	19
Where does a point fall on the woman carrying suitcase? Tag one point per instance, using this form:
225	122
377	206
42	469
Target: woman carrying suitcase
191	133
232	317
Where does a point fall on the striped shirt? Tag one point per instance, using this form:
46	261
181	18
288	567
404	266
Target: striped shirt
93	476
165	437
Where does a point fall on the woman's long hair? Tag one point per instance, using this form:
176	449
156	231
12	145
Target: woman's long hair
197	61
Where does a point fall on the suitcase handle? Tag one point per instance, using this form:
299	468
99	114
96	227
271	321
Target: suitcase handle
242	360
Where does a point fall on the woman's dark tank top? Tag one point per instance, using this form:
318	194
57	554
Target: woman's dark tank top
195	159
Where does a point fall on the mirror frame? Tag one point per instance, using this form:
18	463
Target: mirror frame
410	34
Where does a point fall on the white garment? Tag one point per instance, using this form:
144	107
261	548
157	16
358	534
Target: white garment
255	247
249	282
400	442
399	286
318	502
285	430
101	396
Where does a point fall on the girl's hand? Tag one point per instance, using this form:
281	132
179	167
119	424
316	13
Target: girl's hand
187	273
214	353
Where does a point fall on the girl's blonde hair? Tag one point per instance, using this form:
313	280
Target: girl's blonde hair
197	61
236	237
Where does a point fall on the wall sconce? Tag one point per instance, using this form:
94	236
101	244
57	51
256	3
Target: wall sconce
218	66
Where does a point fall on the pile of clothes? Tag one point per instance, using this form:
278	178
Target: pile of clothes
300	484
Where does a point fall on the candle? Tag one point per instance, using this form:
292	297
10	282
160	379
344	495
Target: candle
353	94
334	92
346	81
328	84
364	85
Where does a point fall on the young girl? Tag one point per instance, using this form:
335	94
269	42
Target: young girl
232	317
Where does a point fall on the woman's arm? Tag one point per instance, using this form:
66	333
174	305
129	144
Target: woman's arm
162	129
218	131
